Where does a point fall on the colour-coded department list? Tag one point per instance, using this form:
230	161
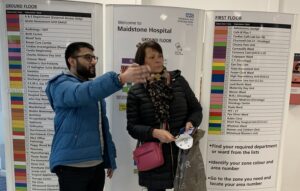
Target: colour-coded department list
36	45
249	70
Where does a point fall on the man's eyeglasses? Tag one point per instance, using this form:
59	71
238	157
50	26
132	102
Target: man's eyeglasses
88	57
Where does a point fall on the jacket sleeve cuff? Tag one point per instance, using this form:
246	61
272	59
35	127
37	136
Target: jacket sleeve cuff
150	133
116	79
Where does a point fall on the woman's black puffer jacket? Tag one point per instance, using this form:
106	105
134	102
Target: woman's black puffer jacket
141	121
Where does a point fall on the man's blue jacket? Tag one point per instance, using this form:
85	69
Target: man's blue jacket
76	122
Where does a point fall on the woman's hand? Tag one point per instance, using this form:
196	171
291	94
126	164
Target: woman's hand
163	135
188	125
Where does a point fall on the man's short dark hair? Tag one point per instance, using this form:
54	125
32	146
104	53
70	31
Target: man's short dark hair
73	49
140	53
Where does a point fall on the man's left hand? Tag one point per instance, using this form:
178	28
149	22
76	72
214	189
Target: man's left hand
110	173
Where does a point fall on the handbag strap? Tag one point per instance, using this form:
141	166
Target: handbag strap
138	144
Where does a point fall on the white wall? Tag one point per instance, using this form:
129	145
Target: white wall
291	151
292	6
1	126
249	5
110	1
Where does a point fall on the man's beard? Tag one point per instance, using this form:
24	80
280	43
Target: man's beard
86	72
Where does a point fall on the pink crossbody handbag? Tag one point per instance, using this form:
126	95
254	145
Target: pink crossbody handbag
148	156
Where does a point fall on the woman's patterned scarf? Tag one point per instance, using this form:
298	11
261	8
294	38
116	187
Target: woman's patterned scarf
161	95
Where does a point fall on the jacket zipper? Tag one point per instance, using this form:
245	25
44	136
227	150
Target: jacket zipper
172	159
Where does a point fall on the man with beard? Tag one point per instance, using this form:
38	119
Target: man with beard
82	145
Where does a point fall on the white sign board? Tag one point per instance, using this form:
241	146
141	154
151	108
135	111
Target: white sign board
248	77
178	31
37	33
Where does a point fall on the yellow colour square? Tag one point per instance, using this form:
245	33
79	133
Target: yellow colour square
122	107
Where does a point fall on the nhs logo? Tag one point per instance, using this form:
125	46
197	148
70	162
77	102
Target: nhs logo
189	15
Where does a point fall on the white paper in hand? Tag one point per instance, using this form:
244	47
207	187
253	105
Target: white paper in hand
184	141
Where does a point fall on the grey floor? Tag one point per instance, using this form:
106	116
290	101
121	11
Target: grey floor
2	183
